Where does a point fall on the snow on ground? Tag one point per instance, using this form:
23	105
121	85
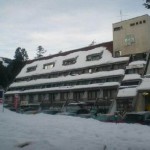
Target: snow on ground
57	132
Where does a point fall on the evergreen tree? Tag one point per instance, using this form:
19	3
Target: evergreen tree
24	54
21	54
40	51
8	73
147	4
18	55
3	76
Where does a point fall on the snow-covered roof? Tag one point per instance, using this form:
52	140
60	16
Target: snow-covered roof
98	85
136	64
80	63
69	78
131	77
127	92
145	85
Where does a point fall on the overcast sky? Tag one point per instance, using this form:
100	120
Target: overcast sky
60	25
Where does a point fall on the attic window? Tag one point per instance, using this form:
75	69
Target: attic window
30	69
49	65
93	57
69	61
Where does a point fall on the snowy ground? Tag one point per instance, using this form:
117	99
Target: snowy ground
56	132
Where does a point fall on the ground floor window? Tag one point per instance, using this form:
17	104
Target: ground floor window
103	106
124	105
78	95
64	96
93	94
31	98
109	93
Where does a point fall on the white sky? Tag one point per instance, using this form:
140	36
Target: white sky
60	25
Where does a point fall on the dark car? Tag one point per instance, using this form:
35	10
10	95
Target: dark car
108	118
52	111
77	109
138	117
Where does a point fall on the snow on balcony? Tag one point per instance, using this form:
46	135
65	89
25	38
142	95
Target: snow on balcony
136	64
127	92
98	85
69	78
131	77
145	85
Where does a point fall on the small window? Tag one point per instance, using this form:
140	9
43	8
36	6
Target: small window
140	22
93	57
48	66
30	69
117	53
132	24
144	21
90	70
69	61
117	28
137	23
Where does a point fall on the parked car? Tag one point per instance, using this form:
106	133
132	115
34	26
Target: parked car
138	117
109	118
29	109
77	109
52	111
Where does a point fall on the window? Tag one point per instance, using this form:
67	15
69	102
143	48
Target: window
144	21
130	83
93	57
69	61
113	79
52	96
109	93
30	69
132	24
48	66
117	28
78	95
117	53
65	96
93	95
90	70
129	39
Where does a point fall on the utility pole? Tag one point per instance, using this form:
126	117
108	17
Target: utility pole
121	15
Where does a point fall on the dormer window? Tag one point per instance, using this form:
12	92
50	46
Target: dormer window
93	57
49	65
30	69
69	61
